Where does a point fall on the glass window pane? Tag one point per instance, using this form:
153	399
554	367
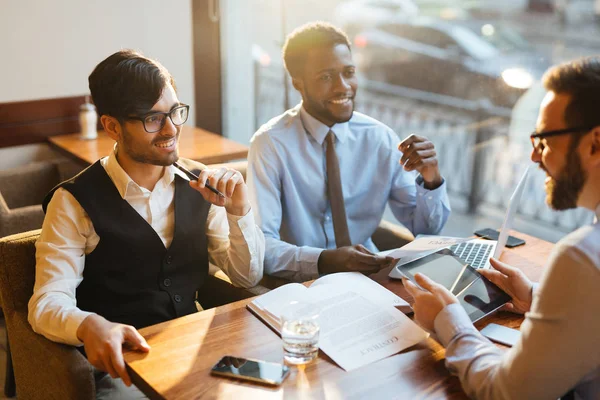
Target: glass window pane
465	74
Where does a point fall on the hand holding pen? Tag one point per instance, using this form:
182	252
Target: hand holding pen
195	177
223	187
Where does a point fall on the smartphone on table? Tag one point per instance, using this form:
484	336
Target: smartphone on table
492	234
265	372
501	334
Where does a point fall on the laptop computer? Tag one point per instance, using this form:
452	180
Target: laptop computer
477	252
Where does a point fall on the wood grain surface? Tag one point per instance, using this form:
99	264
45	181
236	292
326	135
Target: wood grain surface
184	350
194	143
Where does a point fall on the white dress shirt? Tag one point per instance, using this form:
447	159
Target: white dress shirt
559	348
235	245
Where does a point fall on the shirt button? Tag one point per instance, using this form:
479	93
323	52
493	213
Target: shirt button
430	197
177	298
167	282
169	259
327	218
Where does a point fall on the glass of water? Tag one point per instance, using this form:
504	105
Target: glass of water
300	332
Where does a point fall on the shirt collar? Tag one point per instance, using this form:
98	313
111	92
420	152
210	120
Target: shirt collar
123	181
319	130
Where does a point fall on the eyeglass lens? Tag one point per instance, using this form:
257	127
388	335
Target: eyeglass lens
537	144
155	122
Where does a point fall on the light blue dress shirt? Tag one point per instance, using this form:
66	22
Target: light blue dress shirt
288	189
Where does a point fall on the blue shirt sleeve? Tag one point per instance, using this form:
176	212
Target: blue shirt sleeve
298	263
421	210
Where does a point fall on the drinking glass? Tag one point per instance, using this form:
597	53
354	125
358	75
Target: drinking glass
300	332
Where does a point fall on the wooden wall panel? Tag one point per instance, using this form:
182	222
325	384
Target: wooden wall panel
27	122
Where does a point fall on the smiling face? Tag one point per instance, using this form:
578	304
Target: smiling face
159	148
328	84
562	163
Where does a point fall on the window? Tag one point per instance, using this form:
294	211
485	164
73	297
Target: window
478	106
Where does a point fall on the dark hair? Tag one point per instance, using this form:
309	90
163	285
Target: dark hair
302	39
581	80
127	83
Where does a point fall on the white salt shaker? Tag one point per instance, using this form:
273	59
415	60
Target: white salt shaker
88	120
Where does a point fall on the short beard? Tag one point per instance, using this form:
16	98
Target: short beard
562	193
145	158
322	112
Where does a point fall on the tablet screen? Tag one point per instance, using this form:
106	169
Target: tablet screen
444	268
475	293
482	298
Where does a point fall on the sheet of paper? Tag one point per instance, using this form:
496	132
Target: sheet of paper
423	246
365	287
356	332
277	299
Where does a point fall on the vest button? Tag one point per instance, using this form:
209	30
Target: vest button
169	259
167	282
177	298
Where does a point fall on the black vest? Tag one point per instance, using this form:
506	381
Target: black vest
131	277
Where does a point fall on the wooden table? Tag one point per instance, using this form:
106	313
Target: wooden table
194	143
184	350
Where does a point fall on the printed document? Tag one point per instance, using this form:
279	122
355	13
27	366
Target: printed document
358	319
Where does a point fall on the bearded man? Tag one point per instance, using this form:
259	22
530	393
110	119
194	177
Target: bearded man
559	347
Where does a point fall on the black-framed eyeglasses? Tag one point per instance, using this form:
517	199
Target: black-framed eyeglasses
537	137
155	121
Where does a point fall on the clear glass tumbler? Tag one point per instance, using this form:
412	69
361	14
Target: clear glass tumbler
300	332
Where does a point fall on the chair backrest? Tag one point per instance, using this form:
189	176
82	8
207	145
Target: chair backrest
17	270
28	185
22	190
43	369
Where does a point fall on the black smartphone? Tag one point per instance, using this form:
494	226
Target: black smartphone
269	373
493	234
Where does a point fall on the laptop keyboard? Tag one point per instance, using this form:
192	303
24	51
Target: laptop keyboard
475	254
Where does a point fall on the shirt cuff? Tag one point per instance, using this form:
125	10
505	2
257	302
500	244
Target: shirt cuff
451	321
238	224
73	322
309	262
422	190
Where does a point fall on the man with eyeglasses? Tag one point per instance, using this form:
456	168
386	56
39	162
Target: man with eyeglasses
127	243
559	348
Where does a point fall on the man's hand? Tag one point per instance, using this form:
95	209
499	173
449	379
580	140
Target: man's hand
428	302
229	182
418	153
351	258
514	282
104	340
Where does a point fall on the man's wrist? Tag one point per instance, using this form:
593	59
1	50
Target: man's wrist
323	262
84	326
432	184
239	211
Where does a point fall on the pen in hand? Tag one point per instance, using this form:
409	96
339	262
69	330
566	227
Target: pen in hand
192	175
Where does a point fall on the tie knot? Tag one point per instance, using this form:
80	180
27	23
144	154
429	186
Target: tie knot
330	138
